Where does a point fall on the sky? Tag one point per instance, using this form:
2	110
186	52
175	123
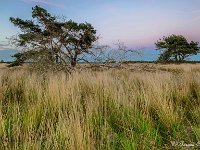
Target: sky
137	23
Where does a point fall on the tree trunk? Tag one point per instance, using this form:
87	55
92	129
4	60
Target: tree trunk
176	57
73	61
57	59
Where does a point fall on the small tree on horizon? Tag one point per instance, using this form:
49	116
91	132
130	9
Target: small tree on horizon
176	48
48	39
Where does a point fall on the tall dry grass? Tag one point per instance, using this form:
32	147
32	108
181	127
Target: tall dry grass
99	110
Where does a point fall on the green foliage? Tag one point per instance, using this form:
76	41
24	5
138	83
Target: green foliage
19	60
176	48
49	39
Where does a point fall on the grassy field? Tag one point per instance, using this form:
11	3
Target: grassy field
145	107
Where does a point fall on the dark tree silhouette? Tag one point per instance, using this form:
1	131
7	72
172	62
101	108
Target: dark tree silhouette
48	39
176	48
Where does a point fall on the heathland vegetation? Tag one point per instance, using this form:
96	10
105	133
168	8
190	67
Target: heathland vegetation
113	109
53	102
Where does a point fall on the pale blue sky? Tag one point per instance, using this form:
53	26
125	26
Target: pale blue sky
138	23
